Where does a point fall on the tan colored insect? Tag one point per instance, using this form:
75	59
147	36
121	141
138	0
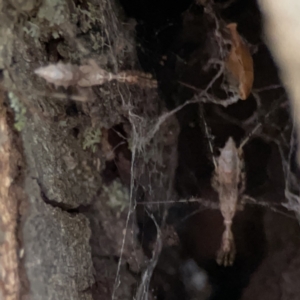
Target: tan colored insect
229	182
239	63
91	74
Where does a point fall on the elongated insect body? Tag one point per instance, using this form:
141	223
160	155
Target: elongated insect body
228	181
91	74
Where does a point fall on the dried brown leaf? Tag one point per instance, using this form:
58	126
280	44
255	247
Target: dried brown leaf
239	63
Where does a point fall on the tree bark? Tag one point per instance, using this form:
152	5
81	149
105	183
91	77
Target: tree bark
61	226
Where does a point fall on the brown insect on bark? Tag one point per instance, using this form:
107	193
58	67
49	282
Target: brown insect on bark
91	74
239	63
229	182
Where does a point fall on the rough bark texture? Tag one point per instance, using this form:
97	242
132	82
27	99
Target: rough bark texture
70	225
10	195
